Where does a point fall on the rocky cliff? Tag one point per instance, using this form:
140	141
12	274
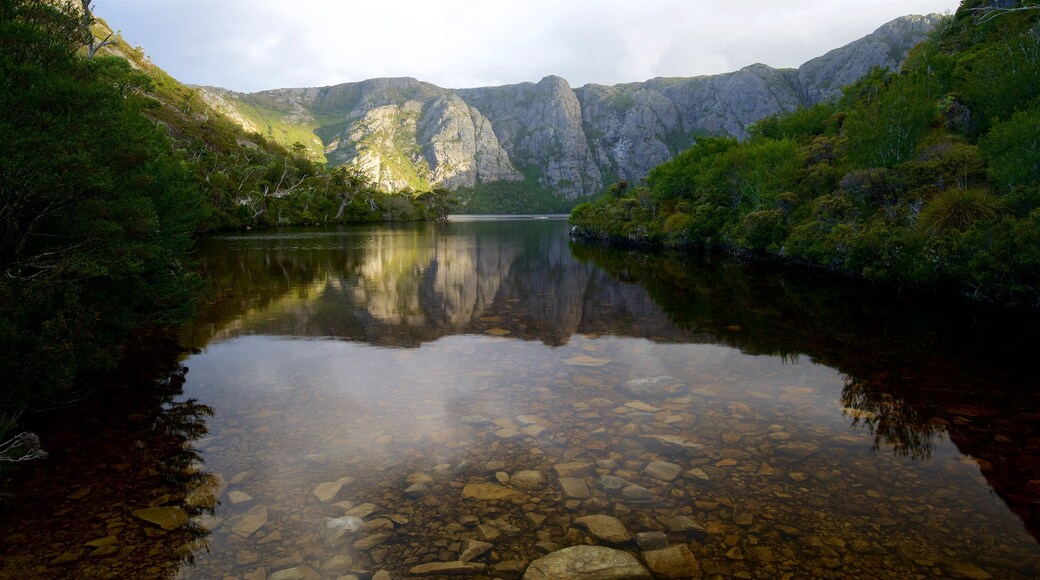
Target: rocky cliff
404	133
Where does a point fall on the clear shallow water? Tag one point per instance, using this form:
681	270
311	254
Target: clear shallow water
491	381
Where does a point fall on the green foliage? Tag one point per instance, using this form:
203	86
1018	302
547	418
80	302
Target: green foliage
511	197
958	210
929	177
1013	150
98	209
801	125
883	129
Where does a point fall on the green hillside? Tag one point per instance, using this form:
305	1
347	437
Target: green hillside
926	178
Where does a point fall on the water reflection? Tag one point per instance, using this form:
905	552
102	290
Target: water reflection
815	431
119	469
389	398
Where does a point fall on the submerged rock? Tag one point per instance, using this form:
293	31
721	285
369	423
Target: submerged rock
662	470
574	488
651	387
493	492
167	518
672	562
330	489
251	521
335	531
587	563
529	480
207	493
606	528
447	569
295	573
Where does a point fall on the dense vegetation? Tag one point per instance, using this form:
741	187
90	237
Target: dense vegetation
928	177
110	167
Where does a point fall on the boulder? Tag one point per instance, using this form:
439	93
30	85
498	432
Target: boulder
587	563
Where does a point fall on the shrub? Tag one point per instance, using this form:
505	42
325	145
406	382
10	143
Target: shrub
957	210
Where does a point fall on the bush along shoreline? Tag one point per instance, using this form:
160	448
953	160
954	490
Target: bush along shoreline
925	180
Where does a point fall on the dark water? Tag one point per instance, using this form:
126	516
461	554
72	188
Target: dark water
493	381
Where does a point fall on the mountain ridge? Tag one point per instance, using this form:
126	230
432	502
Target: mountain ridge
403	133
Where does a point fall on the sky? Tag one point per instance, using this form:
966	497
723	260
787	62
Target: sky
252	45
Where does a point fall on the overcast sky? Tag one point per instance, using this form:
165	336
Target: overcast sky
251	45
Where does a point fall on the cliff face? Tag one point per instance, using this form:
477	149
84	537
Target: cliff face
404	133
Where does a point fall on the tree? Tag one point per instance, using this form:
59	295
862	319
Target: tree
348	183
97	211
439	202
93	43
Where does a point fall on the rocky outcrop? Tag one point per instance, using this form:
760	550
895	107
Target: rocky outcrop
404	133
540	125
823	77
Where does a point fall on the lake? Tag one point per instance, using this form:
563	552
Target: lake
388	399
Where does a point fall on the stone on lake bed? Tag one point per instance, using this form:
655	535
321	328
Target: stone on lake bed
672	444
493	492
587	563
338	563
574	469
167	518
967	570
651	540
206	494
662	470
237	496
798	449
417	490
533	430
335	531
510	569
636	493
650	387
363	510
686	525
574	488
584	360
330	489
697	473
529	480
248	523
606	528
295	573
672	562
611	483
369	542
473	549
456	568
641	406
508	433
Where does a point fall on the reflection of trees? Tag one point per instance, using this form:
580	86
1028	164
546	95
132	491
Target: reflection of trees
890	420
130	446
915	371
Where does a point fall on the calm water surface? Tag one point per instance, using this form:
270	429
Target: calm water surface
379	398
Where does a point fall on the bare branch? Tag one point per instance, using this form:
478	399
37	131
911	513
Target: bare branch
988	13
24	446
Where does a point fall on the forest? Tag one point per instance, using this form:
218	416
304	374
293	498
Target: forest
926	178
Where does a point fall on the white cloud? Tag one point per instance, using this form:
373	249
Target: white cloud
258	44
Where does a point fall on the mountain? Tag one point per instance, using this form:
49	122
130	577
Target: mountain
404	133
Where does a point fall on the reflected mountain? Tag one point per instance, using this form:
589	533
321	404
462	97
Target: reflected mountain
407	285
